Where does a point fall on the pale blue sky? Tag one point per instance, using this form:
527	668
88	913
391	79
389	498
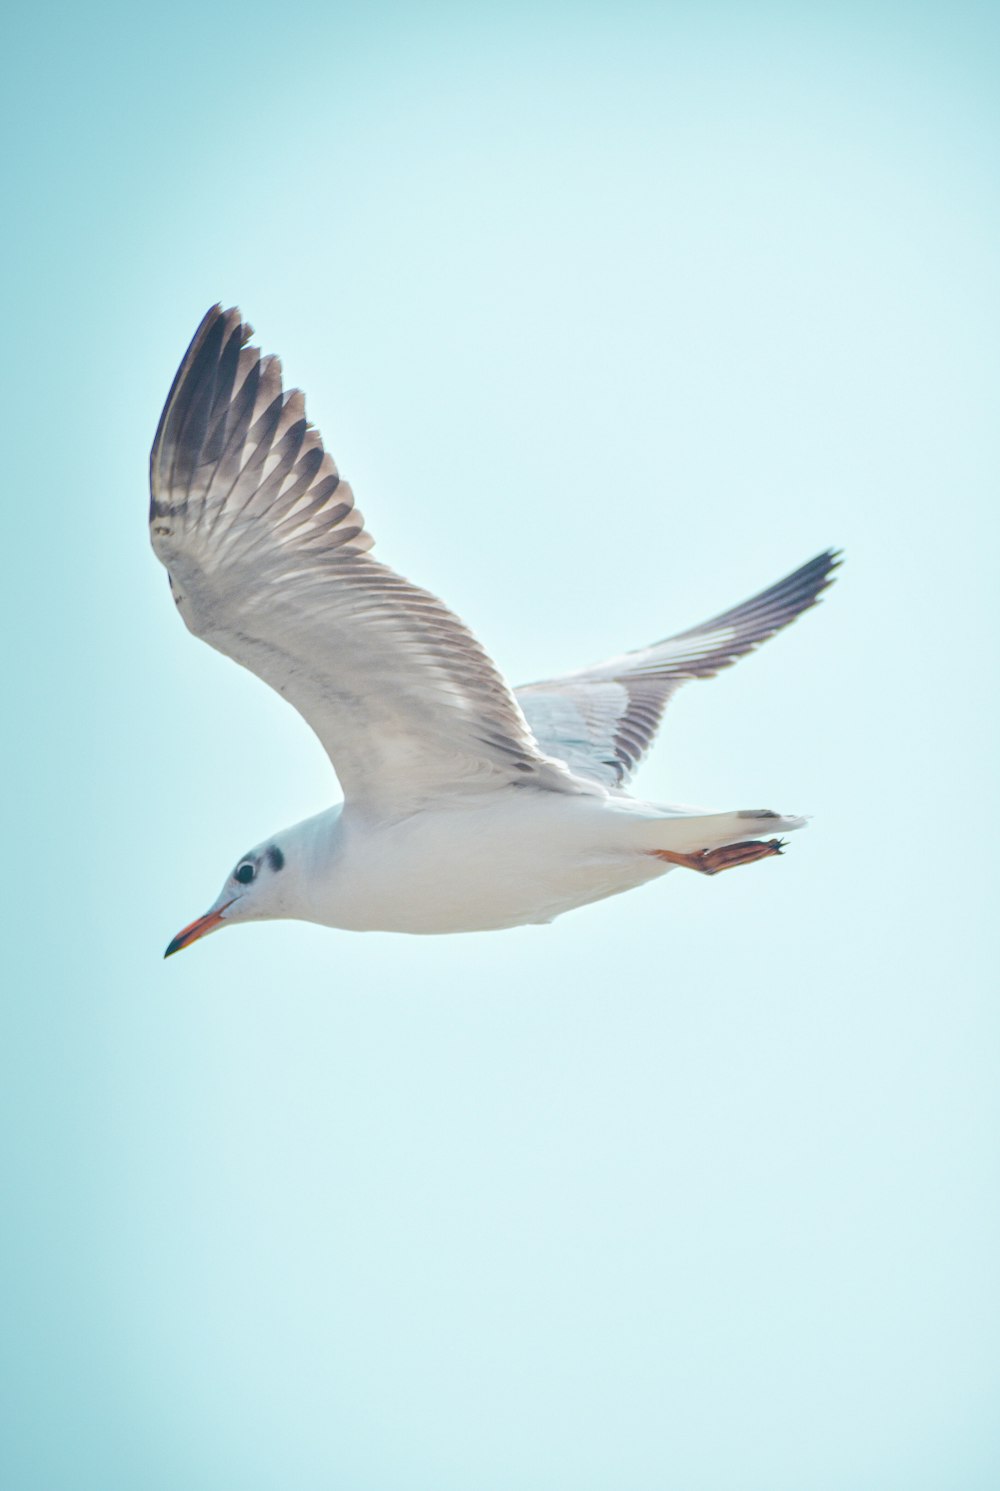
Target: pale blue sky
611	316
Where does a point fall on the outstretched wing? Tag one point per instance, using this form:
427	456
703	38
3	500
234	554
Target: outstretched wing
601	721
268	563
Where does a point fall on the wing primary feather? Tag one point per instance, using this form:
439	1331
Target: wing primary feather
195	401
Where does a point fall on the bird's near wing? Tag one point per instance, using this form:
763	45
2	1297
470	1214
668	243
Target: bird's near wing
268	562
601	721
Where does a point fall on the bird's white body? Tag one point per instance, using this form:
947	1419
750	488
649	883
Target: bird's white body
501	860
469	805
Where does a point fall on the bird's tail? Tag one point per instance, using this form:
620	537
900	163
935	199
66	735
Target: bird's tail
687	831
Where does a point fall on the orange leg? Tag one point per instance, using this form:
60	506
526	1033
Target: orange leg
713	861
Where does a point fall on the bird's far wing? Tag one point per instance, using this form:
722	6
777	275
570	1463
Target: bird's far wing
268	563
601	721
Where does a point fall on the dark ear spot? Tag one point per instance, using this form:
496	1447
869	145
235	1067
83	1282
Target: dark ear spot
275	858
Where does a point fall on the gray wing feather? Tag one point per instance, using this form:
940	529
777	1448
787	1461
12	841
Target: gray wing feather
602	720
268	562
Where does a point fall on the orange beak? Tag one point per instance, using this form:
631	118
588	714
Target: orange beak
196	929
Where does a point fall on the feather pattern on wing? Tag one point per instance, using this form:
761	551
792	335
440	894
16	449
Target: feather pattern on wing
268	563
602	720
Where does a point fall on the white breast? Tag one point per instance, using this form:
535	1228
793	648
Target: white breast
506	860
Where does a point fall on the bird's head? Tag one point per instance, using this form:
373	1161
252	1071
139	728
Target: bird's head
256	889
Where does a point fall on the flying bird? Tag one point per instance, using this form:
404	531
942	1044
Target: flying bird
468	805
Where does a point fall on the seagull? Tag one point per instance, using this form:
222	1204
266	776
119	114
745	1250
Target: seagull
467	805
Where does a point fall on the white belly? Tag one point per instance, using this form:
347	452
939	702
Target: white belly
512	858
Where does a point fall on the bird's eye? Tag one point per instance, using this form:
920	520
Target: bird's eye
244	874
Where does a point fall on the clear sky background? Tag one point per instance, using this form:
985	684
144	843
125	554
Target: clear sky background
612	316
